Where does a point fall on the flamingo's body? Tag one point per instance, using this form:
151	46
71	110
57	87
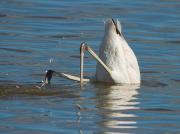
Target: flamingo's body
118	56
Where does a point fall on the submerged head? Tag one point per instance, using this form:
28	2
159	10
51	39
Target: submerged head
113	27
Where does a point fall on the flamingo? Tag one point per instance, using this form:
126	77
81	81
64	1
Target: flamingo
116	63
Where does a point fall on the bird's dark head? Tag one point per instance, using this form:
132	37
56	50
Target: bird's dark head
48	76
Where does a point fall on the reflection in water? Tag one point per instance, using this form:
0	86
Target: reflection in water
116	104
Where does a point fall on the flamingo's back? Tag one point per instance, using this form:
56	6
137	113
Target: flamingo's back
119	57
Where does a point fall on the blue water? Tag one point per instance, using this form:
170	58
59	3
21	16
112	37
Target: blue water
37	35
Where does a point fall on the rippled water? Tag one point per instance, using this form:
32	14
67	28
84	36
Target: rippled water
36	35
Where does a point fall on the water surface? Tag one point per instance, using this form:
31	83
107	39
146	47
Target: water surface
37	35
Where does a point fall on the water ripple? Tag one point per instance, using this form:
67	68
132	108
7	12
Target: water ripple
34	32
16	50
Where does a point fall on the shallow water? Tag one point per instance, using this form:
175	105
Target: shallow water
37	35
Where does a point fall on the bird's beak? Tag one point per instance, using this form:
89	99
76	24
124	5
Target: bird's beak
116	27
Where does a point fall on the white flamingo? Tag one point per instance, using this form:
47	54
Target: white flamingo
117	63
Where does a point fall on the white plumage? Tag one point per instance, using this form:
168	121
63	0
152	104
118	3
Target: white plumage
118	57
